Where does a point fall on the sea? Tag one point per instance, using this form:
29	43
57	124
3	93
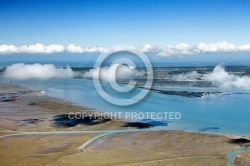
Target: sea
211	99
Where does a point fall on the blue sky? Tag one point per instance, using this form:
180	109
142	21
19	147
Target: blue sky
133	22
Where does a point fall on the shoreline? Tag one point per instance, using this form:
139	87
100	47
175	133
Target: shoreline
93	110
34	116
12	95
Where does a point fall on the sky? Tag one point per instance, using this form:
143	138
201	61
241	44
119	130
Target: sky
131	22
168	27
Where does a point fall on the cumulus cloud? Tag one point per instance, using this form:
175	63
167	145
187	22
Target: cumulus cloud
181	49
218	77
113	73
8	49
222	78
32	49
72	48
146	48
23	71
41	49
185	49
75	49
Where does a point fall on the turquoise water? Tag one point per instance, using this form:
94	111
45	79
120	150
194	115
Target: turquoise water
231	156
221	114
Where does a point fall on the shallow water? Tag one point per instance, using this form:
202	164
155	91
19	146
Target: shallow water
226	112
231	156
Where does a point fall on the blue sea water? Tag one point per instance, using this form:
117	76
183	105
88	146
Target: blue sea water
227	112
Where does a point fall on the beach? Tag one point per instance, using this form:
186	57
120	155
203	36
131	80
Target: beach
35	130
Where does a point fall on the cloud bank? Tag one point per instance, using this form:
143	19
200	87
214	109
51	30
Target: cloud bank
182	49
218	77
21	71
113	73
32	49
222	78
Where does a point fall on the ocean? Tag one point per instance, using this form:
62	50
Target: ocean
210	99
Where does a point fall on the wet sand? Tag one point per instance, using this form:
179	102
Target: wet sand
35	130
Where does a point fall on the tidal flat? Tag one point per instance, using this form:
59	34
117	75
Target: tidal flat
35	130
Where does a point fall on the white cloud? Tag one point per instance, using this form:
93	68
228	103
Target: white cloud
74	49
217	47
8	49
96	49
185	49
32	49
114	72
222	78
41	49
218	77
145	49
21	71
245	47
181	49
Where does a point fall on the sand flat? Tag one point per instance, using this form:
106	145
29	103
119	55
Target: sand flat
33	131
154	148
243	158
39	149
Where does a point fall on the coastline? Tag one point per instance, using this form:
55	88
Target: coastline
35	120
